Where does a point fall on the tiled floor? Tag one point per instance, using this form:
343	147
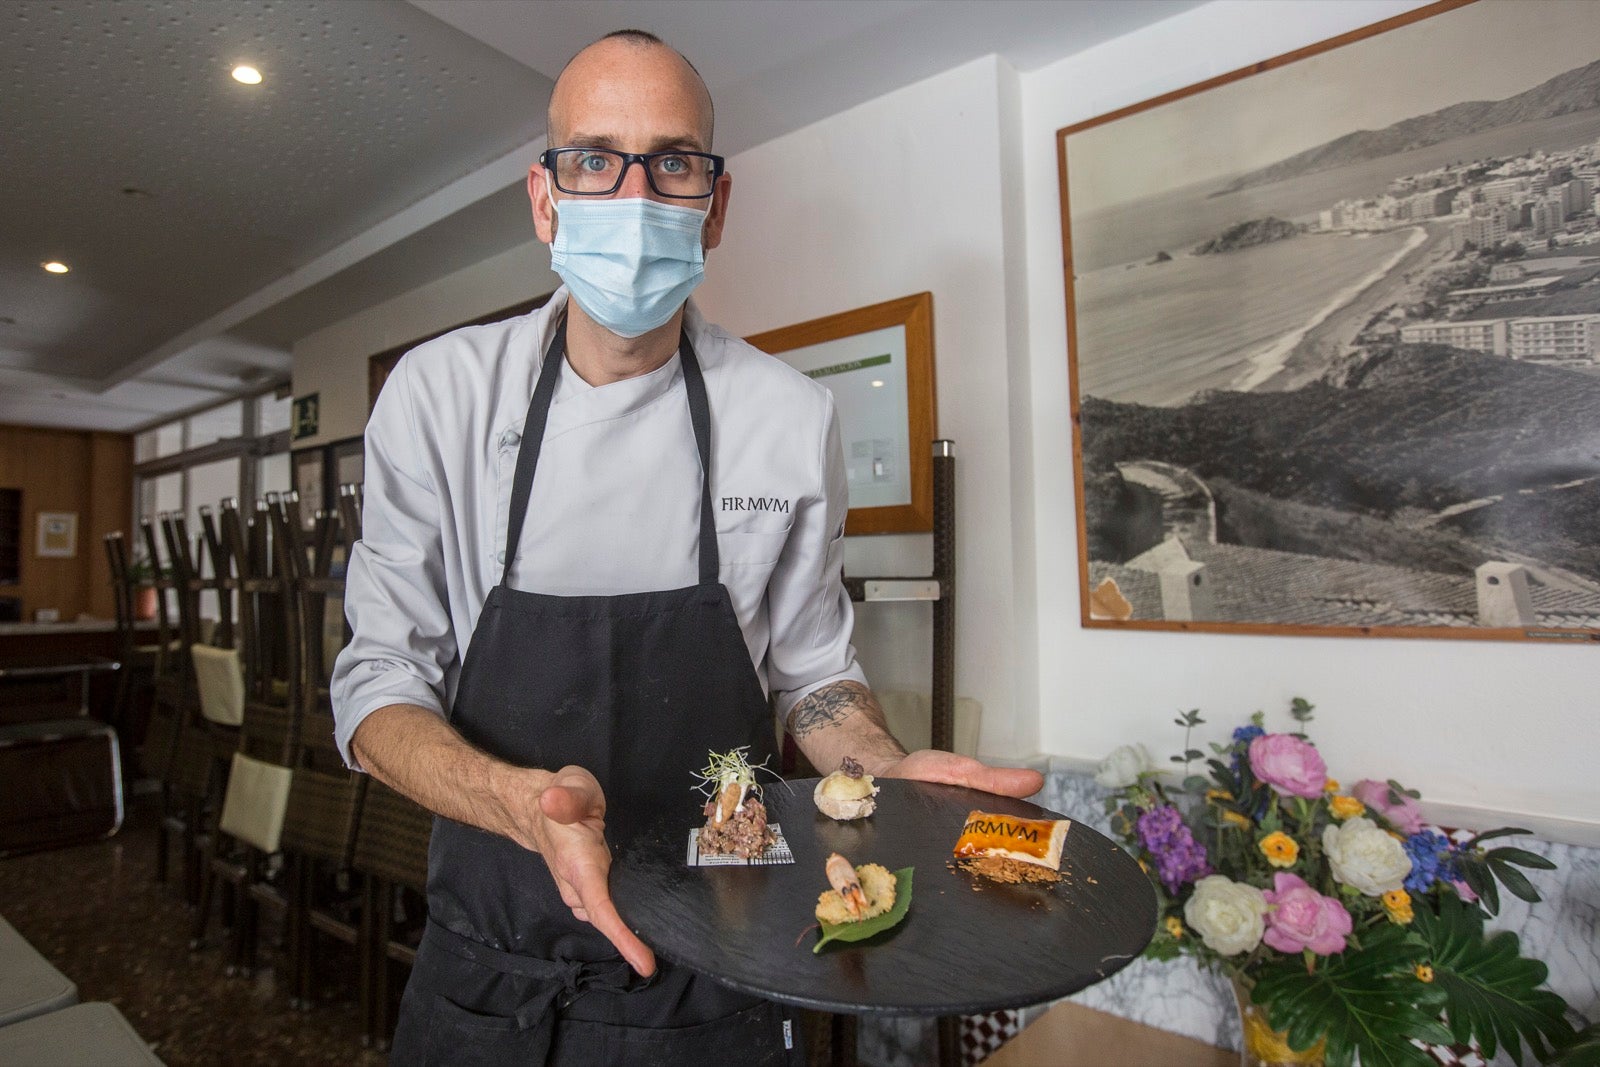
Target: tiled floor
97	914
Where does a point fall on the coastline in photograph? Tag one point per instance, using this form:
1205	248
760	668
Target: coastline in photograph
1194	323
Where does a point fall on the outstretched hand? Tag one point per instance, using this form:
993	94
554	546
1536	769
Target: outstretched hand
932	765
569	832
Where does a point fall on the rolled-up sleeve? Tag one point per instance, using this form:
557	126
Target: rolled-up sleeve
396	600
808	609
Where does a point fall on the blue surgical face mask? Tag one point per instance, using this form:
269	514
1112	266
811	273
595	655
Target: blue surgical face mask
630	264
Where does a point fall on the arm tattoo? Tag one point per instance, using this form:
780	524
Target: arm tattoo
831	705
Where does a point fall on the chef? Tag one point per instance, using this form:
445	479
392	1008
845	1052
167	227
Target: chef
597	539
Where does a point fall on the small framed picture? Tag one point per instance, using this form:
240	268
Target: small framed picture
58	534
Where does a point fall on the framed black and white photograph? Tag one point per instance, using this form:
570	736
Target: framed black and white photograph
1334	336
878	363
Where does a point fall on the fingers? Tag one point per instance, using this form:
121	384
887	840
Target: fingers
1013	781
572	798
602	915
932	765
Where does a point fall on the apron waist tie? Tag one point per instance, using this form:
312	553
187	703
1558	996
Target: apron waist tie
561	981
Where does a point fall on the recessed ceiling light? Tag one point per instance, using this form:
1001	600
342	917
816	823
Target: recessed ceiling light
877	383
55	267
246	75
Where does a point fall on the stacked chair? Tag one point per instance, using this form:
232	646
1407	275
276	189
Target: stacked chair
178	750
250	822
251	776
141	661
324	797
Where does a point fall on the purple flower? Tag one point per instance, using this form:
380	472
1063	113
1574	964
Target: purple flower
1292	767
1402	813
1180	859
1301	918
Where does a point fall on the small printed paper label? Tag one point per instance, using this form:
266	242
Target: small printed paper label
776	853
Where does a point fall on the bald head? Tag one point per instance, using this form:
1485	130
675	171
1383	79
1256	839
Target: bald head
615	76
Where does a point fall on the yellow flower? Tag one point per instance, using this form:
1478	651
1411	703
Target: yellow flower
1280	849
1424	972
1397	902
1218	794
1174	926
1331	785
1235	818
1346	807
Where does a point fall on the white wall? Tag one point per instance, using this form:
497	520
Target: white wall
900	195
333	361
1507	727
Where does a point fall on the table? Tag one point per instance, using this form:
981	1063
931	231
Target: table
22	677
967	946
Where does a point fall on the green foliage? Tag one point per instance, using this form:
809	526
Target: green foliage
1366	1003
1582	1049
1492	992
860	931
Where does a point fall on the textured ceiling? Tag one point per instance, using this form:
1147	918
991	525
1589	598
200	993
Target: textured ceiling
210	225
174	191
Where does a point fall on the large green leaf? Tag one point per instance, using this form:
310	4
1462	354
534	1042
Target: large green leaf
1582	1050
860	931
1492	991
1365	1002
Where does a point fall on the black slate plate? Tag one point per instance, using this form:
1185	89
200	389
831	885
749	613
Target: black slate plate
968	945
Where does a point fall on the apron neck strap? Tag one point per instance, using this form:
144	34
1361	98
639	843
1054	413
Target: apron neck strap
533	437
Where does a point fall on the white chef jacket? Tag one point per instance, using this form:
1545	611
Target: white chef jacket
615	507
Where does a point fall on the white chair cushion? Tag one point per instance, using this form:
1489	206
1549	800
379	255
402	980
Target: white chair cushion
220	678
258	794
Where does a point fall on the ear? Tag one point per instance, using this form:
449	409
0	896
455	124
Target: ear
544	211
717	214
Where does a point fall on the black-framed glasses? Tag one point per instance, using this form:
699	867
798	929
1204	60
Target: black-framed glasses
599	171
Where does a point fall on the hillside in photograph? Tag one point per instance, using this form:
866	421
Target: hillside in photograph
1424	437
1575	90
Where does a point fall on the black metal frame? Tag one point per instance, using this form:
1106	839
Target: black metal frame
548	156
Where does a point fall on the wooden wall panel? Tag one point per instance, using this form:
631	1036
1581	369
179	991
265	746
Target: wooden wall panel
89	474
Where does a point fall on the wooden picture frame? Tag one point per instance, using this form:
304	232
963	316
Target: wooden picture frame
878	361
1294	298
58	535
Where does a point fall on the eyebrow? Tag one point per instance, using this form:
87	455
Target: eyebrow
680	142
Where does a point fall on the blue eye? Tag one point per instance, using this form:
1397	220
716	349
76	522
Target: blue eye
594	164
673	165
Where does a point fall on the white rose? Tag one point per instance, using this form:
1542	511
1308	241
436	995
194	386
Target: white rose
1123	767
1228	915
1364	857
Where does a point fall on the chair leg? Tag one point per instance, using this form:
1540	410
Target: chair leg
300	932
161	836
369	949
208	885
191	851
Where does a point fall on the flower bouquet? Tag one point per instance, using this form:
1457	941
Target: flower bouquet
1347	926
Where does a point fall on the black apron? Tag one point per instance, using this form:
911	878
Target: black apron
637	689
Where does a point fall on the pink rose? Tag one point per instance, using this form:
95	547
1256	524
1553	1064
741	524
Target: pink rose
1405	815
1288	764
1299	917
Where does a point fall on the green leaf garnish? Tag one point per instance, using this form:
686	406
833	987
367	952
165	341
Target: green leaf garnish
860	931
